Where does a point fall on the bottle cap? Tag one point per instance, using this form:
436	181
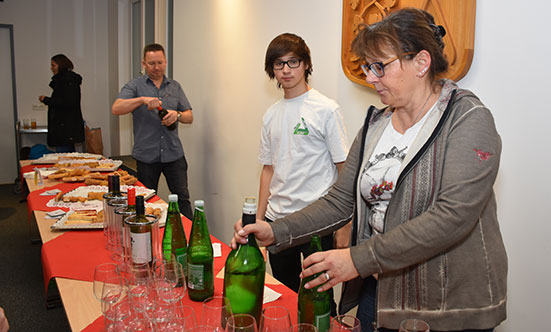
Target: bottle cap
159	108
249	206
173	198
199	203
131	196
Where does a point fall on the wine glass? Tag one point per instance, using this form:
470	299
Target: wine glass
241	323
216	310
184	315
110	295
101	273
414	325
171	284
275	319
201	328
141	286
304	327
345	323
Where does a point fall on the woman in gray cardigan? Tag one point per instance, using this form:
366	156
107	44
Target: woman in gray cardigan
425	240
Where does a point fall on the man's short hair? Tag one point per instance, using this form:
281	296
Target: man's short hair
153	48
284	44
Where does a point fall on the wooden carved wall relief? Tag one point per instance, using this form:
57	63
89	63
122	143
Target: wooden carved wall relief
456	16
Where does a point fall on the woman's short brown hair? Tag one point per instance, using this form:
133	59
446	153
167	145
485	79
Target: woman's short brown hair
63	63
284	44
404	31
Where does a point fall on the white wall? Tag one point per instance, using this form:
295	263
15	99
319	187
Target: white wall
77	28
219	53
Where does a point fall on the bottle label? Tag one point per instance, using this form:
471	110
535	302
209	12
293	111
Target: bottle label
182	259
322	321
141	247
196	276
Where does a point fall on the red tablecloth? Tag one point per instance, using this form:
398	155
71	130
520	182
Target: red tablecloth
36	202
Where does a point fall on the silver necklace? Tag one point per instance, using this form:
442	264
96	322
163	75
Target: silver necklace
420	112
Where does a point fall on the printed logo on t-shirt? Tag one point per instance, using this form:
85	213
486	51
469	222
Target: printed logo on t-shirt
301	130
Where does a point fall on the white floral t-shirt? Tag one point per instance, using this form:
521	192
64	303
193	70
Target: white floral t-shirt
378	179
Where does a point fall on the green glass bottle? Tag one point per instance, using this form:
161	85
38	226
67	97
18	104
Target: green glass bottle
174	238
141	235
200	257
314	307
245	271
162	113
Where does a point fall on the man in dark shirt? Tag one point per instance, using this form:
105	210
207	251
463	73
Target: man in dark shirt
156	148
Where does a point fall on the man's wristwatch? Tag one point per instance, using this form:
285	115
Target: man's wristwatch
179	115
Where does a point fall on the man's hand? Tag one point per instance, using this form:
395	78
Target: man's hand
335	266
170	118
152	103
4	326
261	229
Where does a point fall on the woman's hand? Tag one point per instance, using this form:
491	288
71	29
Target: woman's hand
261	229
41	98
336	264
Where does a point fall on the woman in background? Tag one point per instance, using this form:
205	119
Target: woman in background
65	123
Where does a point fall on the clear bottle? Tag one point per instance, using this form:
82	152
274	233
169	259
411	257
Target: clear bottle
174	238
245	271
200	257
162	113
314	307
141	235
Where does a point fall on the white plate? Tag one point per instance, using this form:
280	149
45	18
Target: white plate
83	191
53	158
60	224
103	164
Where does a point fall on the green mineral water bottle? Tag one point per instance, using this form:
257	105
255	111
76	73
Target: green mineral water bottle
245	271
174	239
314	307
200	257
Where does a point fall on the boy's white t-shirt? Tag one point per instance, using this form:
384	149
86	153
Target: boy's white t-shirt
379	176
302	138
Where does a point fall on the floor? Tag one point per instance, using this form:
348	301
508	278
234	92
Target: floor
21	283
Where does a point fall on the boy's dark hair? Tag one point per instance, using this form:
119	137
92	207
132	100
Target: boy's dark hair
287	43
63	63
153	48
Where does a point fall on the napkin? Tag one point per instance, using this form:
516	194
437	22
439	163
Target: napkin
55	214
270	295
52	192
217	249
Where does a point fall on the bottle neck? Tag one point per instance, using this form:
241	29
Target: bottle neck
248	219
140	206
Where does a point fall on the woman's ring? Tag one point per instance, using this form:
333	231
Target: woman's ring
327	277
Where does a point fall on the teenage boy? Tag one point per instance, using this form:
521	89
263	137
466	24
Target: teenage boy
303	146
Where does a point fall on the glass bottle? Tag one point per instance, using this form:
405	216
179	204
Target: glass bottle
200	257
245	271
141	235
162	113
174	239
314	307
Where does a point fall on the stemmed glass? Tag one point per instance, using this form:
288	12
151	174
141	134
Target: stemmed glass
304	327
171	284
103	272
241	323
110	295
414	325
275	319
345	323
216	310
184	316
141	287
